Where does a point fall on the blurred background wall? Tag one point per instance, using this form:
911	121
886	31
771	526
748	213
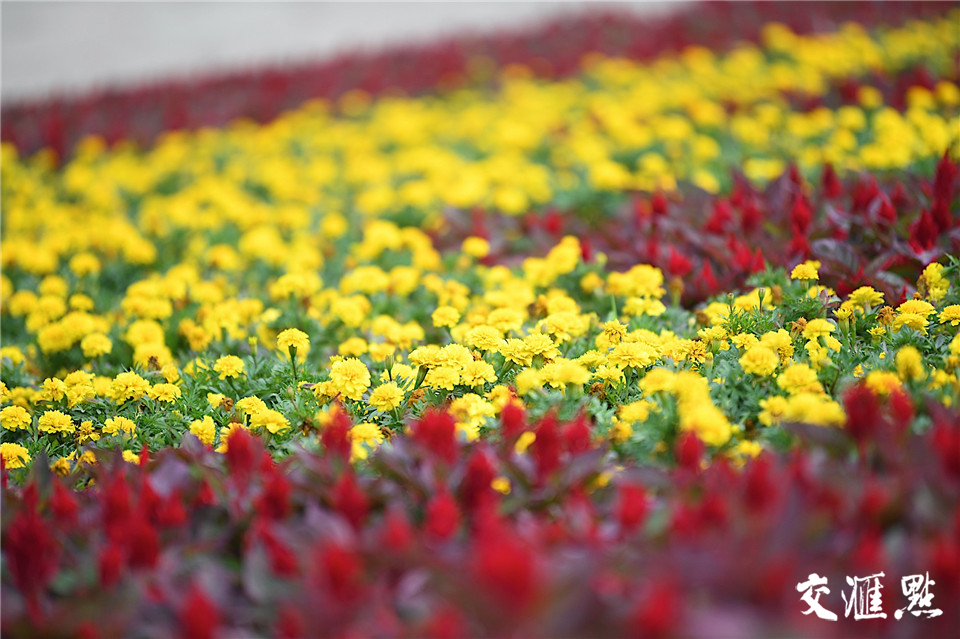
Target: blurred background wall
66	47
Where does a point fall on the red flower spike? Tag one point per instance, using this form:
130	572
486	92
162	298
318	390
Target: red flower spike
436	431
863	413
709	279
508	571
759	262
902	408
116	506
679	265
397	534
576	436
720	217
32	555
443	516
659	204
63	504
290	624
241	455
830	182
475	487
750	216
513	419
336	436
689	451
110	564
274	501
760	490
340	571
199	616
632	506
546	447
144	544
349	500
657	613
944	179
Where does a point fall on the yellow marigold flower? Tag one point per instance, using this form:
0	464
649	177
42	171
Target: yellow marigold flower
95	345
53	390
130	457
270	419
950	314
933	282
445	316
610	374
614	331
524	441
14	455
635	412
882	382
12	353
540	345
15	418
773	409
759	360
656	380
87	432
229	366
84	264
484	338
251	405
743	341
119	424
426	356
799	378
633	355
515	350
806	271
527	380
364	437
476	372
909	364
475	247
471	411
955	345
818	328
562	372
54	421
918	307
780	341
215	399
350	377
743	450
386	397
128	386
620	432
707	422
353	347
916	321
814	408
294	338
442	377
866	297
164	392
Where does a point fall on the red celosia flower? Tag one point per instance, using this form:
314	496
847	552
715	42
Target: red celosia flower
349	500
436	431
242	455
830	182
760	489
631	506
576	436
546	447
110	565
475	487
32	555
63	504
274	501
199	615
659	204
679	265
657	613
336	436
720	217
144	544
443	516
513	420
689	450
863	413
396	534
290	624
507	569
116	506
340	572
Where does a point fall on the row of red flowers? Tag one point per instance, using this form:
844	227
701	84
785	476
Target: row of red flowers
192	542
555	50
866	229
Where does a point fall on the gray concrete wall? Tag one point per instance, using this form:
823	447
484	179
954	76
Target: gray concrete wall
66	47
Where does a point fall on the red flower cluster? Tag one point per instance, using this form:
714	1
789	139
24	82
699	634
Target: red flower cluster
554	50
195	543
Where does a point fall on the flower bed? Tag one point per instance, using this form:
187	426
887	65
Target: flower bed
532	357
